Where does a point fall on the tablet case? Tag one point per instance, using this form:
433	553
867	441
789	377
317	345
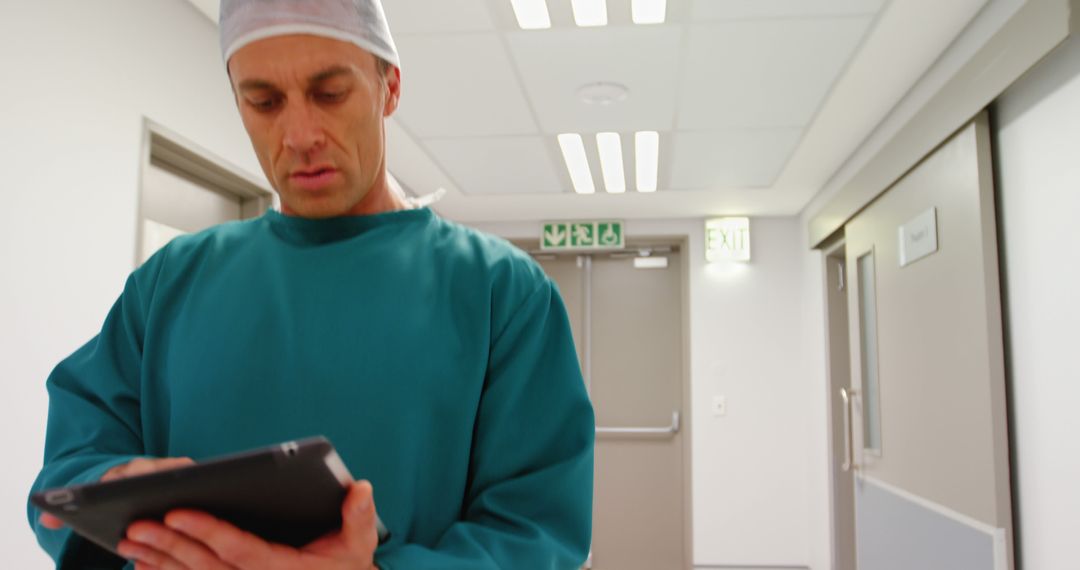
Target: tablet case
289	493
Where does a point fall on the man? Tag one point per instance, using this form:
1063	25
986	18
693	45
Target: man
438	360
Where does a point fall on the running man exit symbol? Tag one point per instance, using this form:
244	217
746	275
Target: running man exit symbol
582	234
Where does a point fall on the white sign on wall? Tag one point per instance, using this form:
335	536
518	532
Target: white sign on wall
918	237
727	239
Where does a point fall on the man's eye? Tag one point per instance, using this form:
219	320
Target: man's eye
330	96
263	104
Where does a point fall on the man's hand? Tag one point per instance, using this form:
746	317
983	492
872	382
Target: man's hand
140	466
191	540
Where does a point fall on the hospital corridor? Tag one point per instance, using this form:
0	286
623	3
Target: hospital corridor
576	284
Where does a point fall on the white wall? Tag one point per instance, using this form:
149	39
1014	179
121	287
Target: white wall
78	78
818	411
1038	145
750	468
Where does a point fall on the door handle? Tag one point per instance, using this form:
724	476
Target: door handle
669	430
849	463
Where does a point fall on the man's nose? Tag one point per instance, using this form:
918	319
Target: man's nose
303	133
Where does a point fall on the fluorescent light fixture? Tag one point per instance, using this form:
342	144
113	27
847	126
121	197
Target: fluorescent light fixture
573	152
649	11
727	239
611	164
588	13
646	158
532	14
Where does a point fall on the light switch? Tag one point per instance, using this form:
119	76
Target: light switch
719	406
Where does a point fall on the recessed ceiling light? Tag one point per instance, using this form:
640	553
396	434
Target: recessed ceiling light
603	93
649	11
646	159
611	164
532	14
573	151
588	13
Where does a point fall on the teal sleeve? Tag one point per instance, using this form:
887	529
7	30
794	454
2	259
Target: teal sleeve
529	498
94	421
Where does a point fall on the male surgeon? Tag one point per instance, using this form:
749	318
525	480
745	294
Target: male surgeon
438	360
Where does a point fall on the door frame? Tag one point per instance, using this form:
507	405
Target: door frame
835	380
161	145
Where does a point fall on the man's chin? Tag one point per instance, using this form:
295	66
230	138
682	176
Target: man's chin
315	207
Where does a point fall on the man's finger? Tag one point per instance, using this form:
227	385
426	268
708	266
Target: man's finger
146	557
358	517
50	522
143	466
230	544
161	546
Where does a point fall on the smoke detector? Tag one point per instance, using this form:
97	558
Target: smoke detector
603	93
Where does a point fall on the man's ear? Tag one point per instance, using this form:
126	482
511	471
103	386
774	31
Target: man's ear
393	90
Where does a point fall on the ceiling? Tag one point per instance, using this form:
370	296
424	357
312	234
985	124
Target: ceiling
757	102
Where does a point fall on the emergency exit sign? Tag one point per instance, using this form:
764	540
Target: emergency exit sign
582	235
727	239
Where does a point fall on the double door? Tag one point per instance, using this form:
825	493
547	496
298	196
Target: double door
628	329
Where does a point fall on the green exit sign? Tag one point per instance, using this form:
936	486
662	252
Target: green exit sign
582	236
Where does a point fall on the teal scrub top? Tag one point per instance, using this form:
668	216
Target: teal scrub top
438	360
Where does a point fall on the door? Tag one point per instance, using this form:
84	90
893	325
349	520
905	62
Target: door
931	452
185	189
628	328
843	480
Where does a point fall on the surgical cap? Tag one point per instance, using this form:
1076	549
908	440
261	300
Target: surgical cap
361	22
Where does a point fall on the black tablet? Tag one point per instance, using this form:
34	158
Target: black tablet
289	494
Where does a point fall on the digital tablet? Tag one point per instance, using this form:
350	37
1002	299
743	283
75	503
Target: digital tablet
289	493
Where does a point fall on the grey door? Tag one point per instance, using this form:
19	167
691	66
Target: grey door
930	438
628	327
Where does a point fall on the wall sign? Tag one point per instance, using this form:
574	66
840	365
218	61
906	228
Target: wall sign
582	235
918	237
727	239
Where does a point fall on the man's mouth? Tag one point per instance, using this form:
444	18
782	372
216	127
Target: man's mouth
314	178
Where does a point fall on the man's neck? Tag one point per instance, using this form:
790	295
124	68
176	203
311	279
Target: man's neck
378	200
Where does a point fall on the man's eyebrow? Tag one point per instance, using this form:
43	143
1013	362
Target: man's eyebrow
329	73
256	84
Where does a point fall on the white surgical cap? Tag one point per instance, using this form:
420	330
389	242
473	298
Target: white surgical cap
361	22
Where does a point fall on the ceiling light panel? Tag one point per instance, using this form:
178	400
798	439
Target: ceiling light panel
609	146
577	164
649	11
532	14
646	159
590	13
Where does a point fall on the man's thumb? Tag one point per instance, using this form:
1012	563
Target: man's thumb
358	513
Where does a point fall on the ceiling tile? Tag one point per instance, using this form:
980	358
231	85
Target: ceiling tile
730	159
460	85
707	10
764	73
443	16
498	165
554	65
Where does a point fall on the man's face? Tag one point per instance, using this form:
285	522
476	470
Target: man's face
314	109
